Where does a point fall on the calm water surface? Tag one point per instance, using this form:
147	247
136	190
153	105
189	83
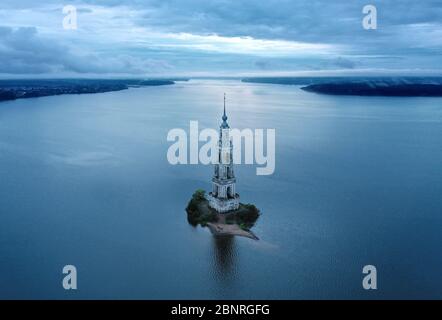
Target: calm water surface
84	180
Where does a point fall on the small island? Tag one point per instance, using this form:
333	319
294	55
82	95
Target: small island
235	222
220	209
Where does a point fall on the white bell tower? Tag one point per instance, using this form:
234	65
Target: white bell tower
223	197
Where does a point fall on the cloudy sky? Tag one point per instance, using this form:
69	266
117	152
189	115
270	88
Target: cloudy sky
218	38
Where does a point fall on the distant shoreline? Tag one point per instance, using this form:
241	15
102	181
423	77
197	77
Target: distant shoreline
23	89
377	89
15	89
362	86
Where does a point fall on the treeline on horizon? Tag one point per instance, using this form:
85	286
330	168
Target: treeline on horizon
362	86
31	88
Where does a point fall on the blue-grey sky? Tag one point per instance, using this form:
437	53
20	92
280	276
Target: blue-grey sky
219	38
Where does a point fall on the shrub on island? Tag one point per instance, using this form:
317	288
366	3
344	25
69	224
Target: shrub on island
198	211
246	216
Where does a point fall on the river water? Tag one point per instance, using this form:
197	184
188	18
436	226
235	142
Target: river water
84	180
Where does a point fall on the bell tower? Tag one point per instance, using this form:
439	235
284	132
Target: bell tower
223	197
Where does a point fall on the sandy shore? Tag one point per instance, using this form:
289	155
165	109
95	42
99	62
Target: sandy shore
222	229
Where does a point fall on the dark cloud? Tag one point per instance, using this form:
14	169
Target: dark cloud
409	35
263	64
307	20
343	63
24	51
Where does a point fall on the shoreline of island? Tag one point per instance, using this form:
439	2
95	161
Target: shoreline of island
223	229
232	223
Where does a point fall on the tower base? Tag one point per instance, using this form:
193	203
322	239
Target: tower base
223	205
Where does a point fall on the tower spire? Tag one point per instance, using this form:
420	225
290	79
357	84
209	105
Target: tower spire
224	124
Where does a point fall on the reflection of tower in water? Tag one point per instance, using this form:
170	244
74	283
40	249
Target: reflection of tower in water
224	256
